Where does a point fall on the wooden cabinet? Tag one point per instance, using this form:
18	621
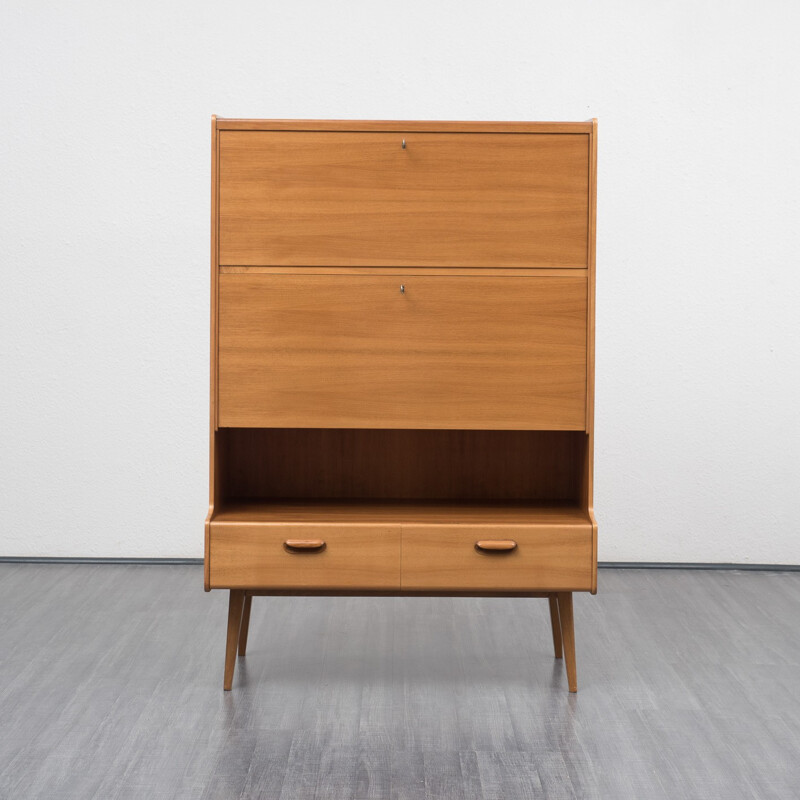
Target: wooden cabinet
402	362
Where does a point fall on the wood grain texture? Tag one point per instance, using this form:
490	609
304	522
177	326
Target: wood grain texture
399	126
590	347
352	352
402	464
304	544
362	546
360	199
235	607
546	558
327	380
485	272
214	474
253	555
584	464
592	275
496	545
245	626
381	593
555	625
565	614
316	514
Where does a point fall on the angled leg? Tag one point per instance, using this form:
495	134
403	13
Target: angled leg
235	605
568	634
248	600
555	624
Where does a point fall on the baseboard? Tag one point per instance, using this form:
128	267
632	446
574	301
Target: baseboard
601	564
80	560
697	565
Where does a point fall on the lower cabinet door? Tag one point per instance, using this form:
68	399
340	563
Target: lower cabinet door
289	556
513	558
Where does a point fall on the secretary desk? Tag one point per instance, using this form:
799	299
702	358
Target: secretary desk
402	363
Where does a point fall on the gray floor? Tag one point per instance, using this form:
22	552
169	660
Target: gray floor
110	687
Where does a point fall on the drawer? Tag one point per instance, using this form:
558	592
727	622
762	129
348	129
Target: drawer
543	558
359	199
324	556
353	351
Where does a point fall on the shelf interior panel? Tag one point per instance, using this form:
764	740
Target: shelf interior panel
422	512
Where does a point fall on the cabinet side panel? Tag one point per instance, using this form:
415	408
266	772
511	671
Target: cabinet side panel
213	477
590	298
590	345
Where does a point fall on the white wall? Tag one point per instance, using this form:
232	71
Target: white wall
104	237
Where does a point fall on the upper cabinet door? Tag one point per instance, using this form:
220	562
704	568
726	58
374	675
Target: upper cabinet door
304	198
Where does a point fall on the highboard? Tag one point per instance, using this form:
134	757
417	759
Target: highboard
402	363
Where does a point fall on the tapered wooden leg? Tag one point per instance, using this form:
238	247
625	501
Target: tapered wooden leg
248	600
555	624
235	605
568	635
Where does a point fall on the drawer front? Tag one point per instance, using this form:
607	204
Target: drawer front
360	199
256	555
446	557
345	351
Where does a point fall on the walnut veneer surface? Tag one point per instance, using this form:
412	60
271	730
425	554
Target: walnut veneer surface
402	362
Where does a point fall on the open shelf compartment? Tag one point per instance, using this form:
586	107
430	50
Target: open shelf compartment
376	473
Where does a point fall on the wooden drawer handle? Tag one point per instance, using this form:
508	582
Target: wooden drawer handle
304	545
496	545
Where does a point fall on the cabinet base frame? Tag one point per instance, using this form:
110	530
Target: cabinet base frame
240	600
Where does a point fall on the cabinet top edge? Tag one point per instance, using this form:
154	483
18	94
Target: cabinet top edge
419	126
